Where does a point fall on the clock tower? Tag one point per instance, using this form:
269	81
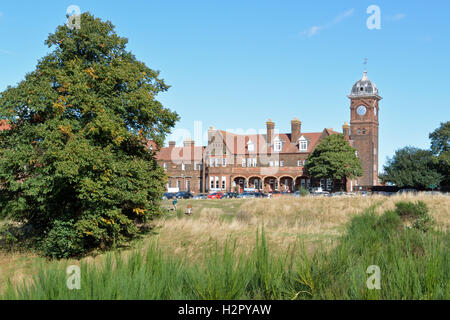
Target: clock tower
364	111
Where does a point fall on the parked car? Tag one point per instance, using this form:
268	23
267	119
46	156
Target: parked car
200	196
183	195
321	194
407	191
246	195
230	195
338	194
216	195
168	195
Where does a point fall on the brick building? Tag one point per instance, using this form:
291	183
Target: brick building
273	161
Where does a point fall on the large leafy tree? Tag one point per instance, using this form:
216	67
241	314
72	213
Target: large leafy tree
334	158
440	146
76	155
412	167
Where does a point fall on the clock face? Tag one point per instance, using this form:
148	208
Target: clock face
361	110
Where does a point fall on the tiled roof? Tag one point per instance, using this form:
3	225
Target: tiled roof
180	154
237	143
4	125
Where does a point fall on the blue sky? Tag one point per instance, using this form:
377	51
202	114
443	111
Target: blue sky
235	64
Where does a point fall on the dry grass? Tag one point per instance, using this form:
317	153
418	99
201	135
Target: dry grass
287	221
312	220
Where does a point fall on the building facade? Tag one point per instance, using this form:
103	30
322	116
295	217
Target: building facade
274	161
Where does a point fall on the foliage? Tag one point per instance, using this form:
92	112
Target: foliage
416	213
303	192
62	241
77	147
334	158
412	167
440	146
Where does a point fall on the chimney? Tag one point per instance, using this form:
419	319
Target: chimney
211	132
171	144
296	126
189	143
346	131
270	126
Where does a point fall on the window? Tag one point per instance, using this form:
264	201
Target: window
359	131
243	162
364	131
277	163
217	162
183	166
188	185
322	183
270	163
165	166
224	179
211	162
278	145
299	163
356	153
250	146
254	162
308	183
304	162
329	184
302	144
281	163
178	184
302	183
211	180
224	162
217	183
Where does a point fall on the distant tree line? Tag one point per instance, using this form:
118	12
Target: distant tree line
411	167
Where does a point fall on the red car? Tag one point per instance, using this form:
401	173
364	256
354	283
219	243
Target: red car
216	195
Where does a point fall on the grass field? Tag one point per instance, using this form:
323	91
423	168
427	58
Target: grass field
282	248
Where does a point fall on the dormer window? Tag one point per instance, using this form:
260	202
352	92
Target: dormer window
277	145
250	146
302	144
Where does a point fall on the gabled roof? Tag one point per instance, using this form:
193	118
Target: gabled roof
237	143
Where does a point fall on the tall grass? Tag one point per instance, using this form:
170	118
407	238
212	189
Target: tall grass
414	265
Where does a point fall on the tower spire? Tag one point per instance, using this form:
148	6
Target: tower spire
365	69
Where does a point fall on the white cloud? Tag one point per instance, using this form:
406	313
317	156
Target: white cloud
397	17
312	31
6	52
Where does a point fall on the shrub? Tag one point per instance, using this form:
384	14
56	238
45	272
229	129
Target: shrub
416	214
303	192
62	241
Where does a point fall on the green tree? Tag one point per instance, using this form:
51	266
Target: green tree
440	147
413	168
334	158
76	155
